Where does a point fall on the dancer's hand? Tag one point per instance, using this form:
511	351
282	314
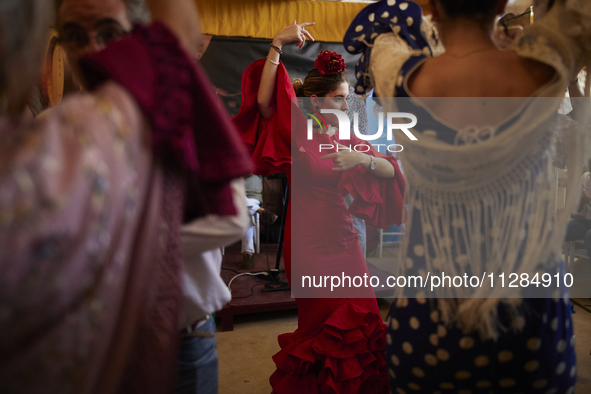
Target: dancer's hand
346	159
294	32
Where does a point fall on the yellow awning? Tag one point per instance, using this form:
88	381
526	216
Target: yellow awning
264	18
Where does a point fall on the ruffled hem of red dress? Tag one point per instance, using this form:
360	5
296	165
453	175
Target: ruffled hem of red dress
346	357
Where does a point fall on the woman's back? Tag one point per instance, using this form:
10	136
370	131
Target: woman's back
491	73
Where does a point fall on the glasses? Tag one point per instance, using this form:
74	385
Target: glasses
524	19
78	39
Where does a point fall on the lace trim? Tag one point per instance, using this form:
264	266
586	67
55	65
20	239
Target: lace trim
172	119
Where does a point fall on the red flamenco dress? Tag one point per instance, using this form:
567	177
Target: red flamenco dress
339	346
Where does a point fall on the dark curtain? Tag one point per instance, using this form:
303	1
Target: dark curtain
227	57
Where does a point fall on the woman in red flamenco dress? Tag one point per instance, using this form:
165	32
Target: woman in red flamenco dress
339	344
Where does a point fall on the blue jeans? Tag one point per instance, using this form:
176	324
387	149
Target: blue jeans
198	363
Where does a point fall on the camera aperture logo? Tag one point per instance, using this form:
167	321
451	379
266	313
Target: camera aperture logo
345	129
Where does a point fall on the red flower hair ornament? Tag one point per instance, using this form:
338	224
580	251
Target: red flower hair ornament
329	63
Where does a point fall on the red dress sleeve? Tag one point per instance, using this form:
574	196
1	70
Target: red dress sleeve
268	140
191	130
378	201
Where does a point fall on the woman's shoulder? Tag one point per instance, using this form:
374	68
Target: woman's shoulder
494	74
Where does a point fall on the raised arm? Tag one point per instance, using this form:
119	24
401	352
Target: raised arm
293	32
181	17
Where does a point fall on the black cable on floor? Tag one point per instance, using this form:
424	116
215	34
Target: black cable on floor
251	291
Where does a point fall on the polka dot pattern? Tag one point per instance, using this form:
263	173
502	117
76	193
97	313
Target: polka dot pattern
418	249
481	361
560	368
505	356
434	316
442	354
427	355
421	298
518	323
466	343
508	382
462	375
540	384
533	344
394	324
401	17
431	360
418	372
443	358
395	360
402	302
532	366
561	346
407	347
434	339
483	384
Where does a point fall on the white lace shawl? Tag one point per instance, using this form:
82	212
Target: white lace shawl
509	175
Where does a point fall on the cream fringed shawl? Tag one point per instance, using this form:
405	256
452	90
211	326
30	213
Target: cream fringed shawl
493	196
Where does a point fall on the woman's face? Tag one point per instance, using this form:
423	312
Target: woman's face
334	100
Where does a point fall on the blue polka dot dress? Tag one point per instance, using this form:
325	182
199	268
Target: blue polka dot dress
534	353
401	17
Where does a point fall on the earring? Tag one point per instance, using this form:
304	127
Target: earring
434	36
316	108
